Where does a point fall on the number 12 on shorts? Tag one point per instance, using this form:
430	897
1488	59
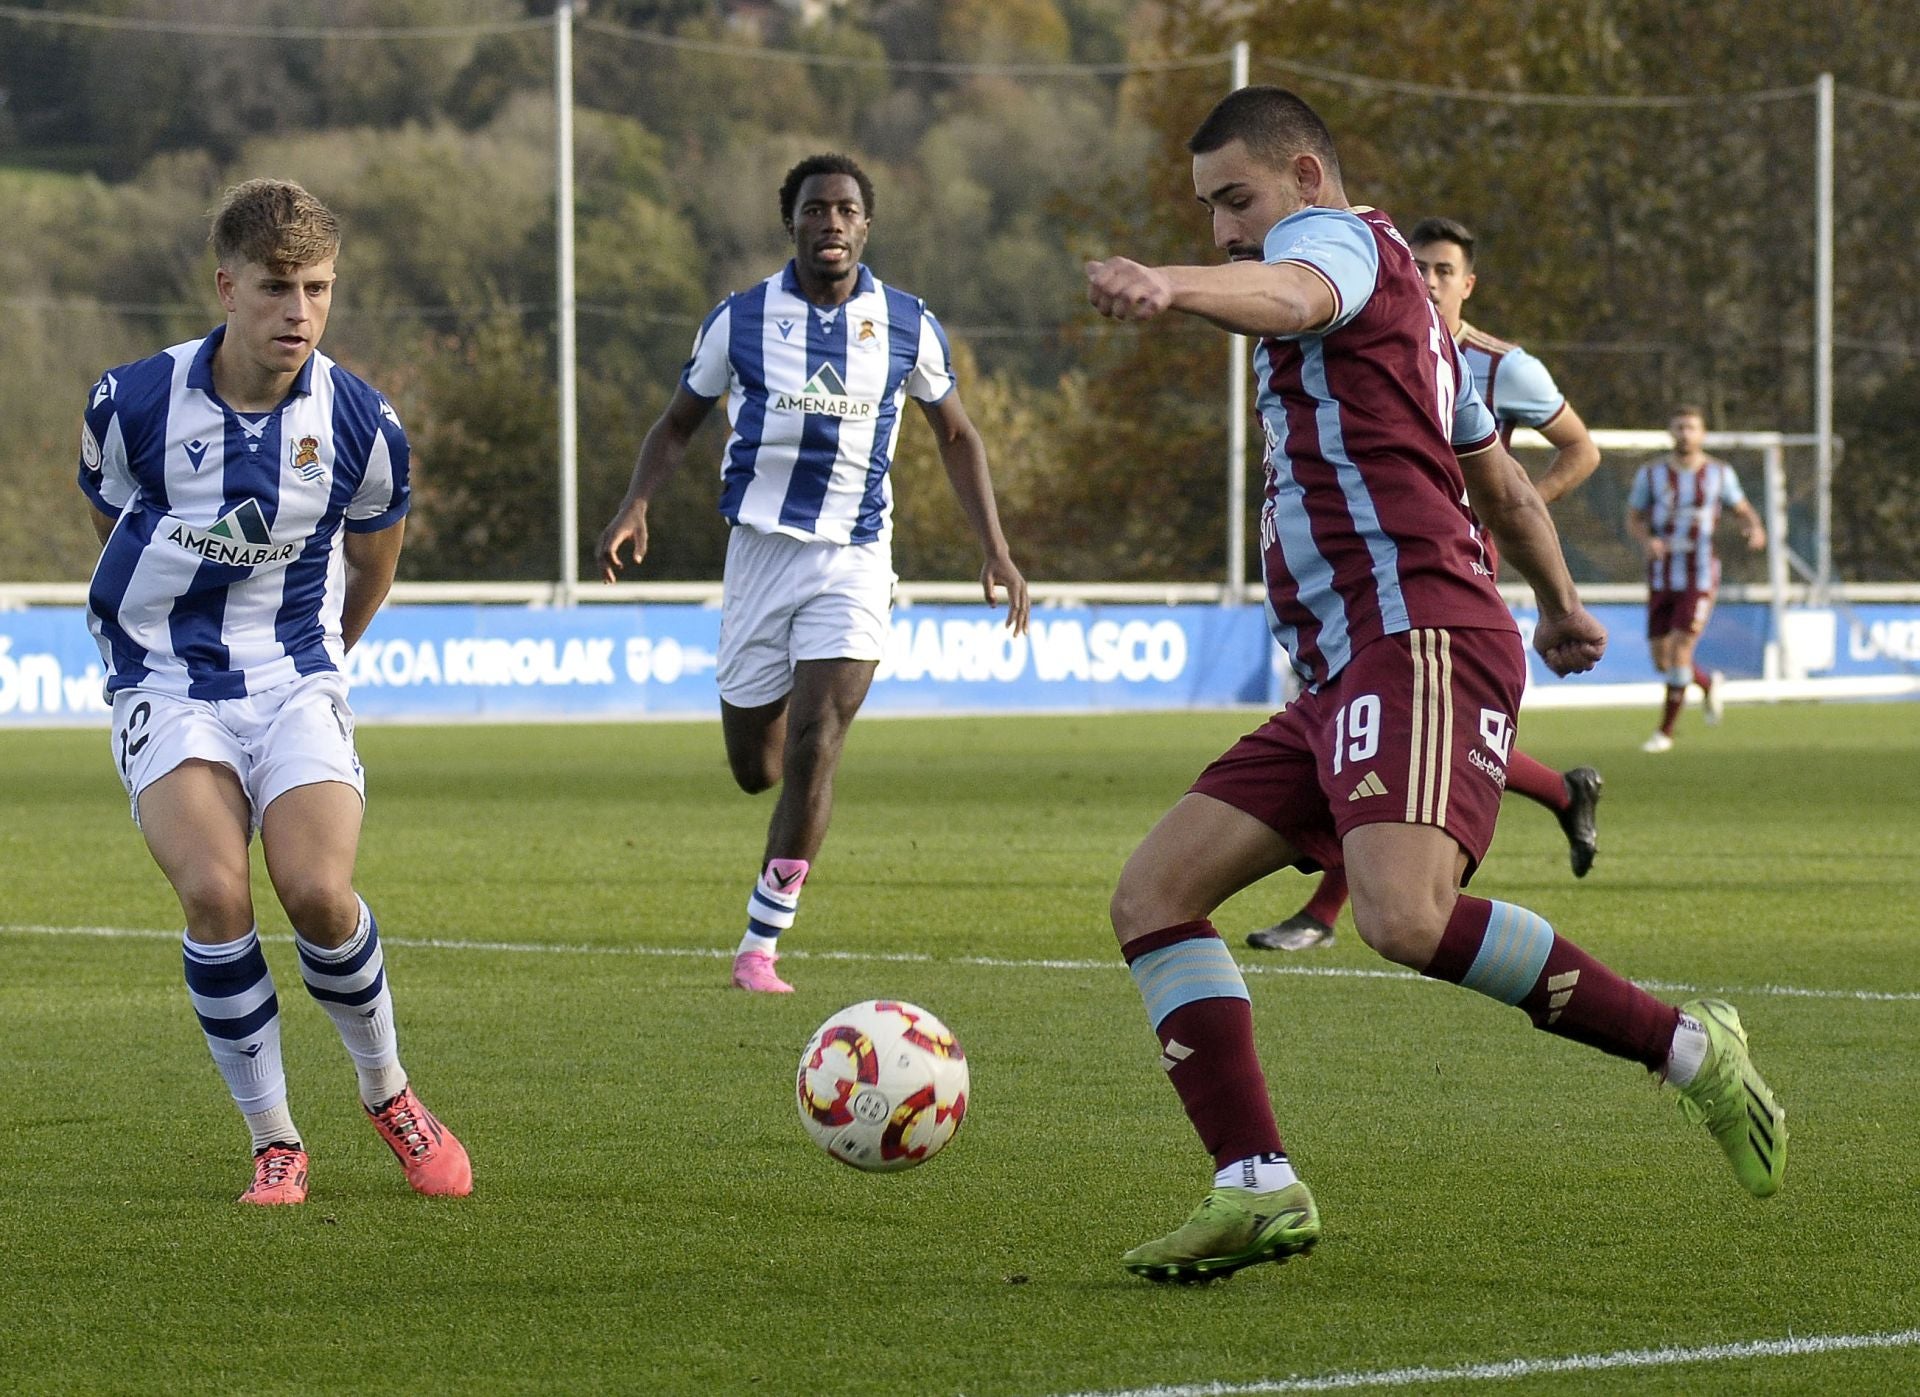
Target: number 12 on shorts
1356	731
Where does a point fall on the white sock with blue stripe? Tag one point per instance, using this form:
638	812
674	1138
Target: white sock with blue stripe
232	994
773	905
350	982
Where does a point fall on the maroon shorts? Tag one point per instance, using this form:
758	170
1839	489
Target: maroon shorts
1416	730
1684	612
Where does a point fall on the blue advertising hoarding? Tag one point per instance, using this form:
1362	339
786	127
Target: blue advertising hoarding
507	663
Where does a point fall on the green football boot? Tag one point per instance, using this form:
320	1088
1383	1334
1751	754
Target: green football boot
1730	1099
1232	1228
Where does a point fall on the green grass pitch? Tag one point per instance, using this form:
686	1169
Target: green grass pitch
649	1216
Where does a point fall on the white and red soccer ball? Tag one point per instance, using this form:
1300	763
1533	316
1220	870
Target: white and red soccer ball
882	1085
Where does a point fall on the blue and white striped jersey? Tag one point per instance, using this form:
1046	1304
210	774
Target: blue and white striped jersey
814	398
223	576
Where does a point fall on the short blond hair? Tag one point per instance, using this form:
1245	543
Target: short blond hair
275	224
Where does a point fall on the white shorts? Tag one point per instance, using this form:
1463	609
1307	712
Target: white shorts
293	735
787	599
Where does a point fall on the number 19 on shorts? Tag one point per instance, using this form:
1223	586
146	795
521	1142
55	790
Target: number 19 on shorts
1356	731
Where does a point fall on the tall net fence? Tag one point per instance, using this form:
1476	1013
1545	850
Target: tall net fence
1648	249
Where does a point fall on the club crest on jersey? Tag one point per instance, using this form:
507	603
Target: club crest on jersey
239	538
825	395
866	331
306	460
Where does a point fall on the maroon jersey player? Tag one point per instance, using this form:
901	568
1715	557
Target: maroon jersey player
1519	391
1673	507
1392	760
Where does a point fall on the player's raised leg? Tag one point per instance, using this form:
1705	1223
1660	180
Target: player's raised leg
1408	907
1573	798
311	834
1201	853
196	822
826	696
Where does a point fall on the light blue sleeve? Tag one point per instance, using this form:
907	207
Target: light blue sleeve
1640	493
1340	247
1473	425
1730	492
1524	392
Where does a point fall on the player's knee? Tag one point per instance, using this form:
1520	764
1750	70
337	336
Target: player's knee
216	902
1403	925
1139	905
322	908
754	774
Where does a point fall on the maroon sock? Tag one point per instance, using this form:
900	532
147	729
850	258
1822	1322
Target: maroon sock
1676	700
1206	1044
1536	781
1328	898
1703	679
1570	994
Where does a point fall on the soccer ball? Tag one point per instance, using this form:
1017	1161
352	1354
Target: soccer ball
882	1086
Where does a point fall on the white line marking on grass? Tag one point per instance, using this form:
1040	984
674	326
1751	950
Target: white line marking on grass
1534	1367
549	948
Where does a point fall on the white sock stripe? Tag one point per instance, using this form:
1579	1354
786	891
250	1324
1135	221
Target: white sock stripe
347	984
222	953
233	1006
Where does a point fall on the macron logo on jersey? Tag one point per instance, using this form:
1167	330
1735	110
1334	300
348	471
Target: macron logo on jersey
239	538
825	395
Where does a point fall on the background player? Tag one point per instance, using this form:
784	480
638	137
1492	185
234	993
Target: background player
251	496
1389	761
1673	507
815	362
1520	392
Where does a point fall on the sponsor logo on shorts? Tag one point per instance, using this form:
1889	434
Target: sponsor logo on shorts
1496	730
1496	772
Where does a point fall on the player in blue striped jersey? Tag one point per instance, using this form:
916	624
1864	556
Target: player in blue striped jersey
816	363
250	496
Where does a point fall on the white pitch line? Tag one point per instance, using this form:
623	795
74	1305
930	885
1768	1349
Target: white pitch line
1534	1367
1329	972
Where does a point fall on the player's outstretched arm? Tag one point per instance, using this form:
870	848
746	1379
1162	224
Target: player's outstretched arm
964	455
371	559
1247	298
1567	637
661	454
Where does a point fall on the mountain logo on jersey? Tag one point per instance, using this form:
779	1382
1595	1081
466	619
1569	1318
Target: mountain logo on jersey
239	538
306	460
825	395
